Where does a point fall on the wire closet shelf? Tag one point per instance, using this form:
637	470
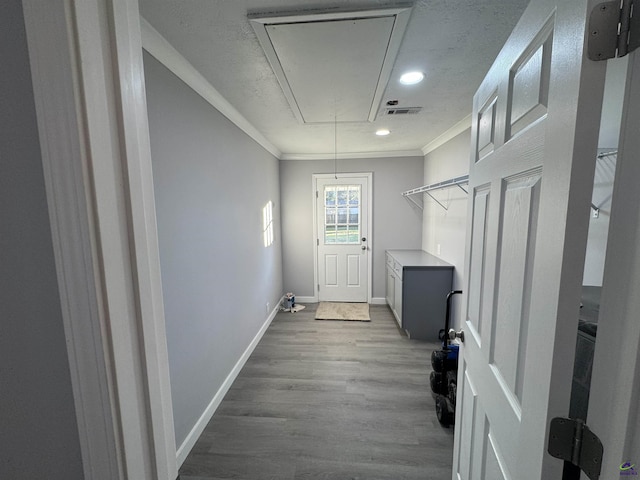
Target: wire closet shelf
452	182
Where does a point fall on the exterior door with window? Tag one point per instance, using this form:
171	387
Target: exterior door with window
534	137
342	238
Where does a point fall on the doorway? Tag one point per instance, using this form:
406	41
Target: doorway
342	237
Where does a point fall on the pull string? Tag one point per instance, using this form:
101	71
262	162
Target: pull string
335	143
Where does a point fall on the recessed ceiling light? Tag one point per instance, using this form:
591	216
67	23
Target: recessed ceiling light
382	132
411	78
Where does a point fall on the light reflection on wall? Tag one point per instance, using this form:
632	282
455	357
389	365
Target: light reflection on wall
267	223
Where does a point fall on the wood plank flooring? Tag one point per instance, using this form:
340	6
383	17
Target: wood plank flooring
328	400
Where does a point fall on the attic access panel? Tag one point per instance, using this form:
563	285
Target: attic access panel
333	63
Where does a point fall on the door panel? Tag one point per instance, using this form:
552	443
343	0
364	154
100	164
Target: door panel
477	259
517	241
531	173
330	270
343	237
468	443
353	270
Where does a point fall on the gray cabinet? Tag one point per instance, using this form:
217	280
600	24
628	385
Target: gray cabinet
416	291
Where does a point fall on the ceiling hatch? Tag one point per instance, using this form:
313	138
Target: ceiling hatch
333	67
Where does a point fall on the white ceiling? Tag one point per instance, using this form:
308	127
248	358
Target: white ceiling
453	42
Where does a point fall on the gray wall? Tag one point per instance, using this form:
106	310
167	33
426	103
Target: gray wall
396	222
38	430
447	228
211	183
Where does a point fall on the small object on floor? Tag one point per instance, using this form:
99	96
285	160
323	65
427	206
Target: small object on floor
289	301
297	308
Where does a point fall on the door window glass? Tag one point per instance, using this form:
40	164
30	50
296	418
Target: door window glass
342	214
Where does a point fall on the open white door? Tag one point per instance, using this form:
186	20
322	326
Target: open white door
343	244
534	138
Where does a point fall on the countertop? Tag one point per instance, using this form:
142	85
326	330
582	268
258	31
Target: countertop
417	258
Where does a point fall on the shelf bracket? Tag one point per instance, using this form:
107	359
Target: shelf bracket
436	200
421	207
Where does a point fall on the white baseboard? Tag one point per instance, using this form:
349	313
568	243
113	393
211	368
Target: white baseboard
374	300
306	299
204	419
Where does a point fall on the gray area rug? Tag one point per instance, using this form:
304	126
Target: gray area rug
343	311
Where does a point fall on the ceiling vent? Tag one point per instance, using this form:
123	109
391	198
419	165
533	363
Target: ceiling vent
402	111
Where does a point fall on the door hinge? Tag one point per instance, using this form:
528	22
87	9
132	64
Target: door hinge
318	287
318	242
571	440
317	195
613	30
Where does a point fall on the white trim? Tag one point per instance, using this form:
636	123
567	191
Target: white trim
198	428
91	108
615	382
369	176
309	300
143	232
306	299
454	131
346	156
314	200
70	215
157	46
320	16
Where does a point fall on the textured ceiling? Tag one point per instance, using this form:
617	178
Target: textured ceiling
453	42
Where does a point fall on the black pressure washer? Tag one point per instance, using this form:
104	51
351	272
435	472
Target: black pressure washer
444	376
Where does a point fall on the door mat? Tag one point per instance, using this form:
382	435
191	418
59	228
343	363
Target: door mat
343	311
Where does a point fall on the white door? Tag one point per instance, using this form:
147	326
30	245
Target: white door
534	138
342	213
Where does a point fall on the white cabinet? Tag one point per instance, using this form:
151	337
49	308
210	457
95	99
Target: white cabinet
390	282
394	294
416	291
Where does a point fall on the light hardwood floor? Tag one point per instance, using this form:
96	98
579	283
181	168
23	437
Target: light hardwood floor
328	400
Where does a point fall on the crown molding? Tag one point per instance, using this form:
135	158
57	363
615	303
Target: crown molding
158	47
346	156
454	131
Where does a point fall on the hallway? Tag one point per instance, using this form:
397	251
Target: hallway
330	400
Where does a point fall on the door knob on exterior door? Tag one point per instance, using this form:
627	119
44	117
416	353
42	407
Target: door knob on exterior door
364	239
363	247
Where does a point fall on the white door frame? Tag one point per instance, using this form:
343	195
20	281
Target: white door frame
88	79
370	242
615	382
